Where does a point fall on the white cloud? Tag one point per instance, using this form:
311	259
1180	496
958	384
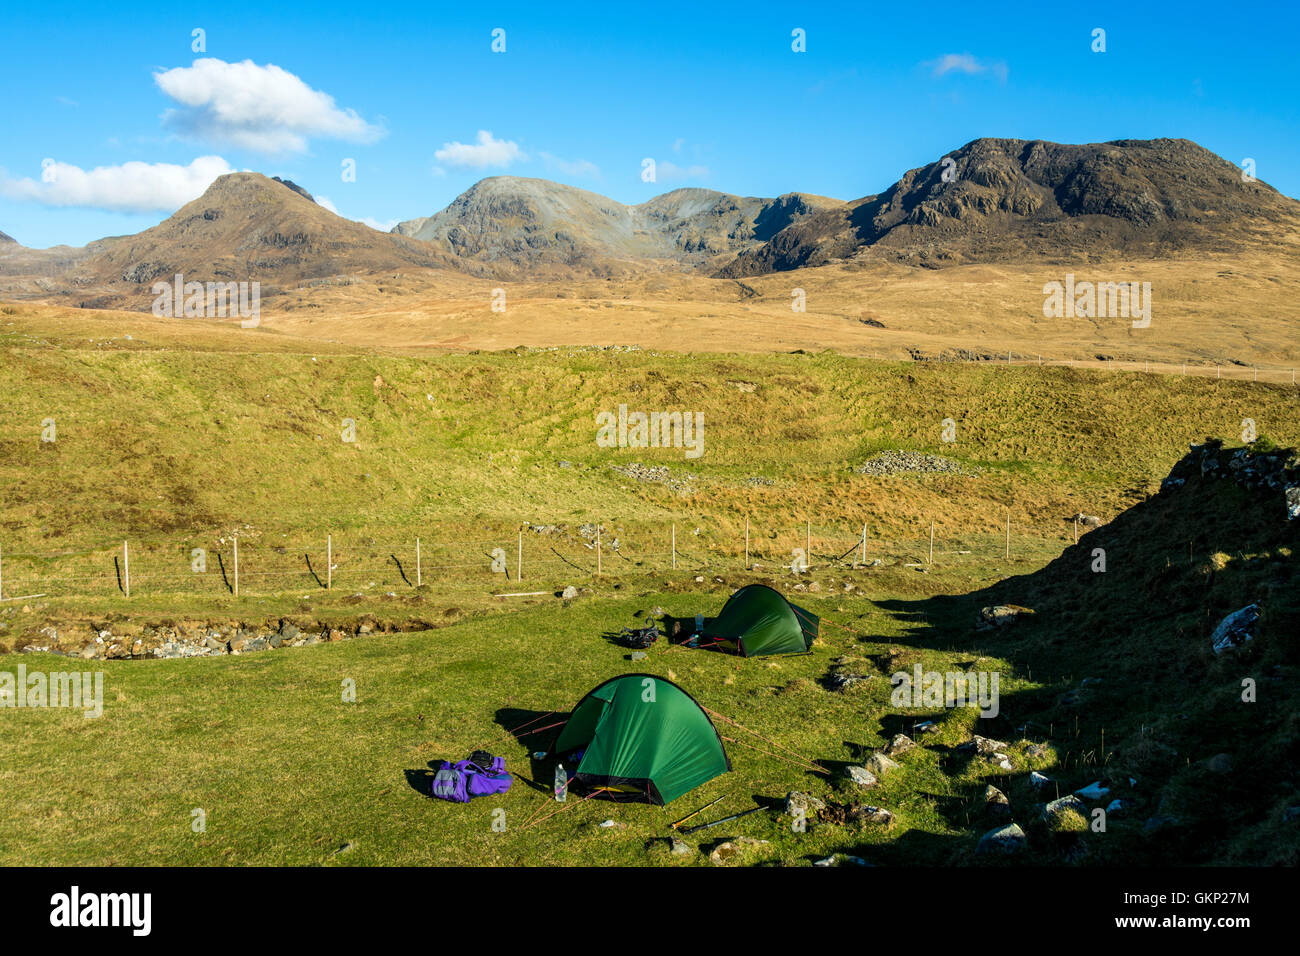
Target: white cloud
326	203
965	63
489	151
577	167
263	108
130	187
667	171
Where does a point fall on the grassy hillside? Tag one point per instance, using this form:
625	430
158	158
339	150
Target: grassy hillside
180	436
177	437
288	772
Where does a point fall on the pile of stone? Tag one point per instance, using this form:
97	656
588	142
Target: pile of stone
899	462
125	641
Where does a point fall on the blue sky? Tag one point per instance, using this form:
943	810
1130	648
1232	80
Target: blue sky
713	93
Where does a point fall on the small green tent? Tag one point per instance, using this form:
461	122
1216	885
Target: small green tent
757	620
642	735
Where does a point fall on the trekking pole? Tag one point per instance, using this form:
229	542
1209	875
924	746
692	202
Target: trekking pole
675	824
734	816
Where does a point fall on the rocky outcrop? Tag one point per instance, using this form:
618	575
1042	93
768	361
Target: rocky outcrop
1263	469
1006	199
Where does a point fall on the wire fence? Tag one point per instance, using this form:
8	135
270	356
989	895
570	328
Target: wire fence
258	564
1232	371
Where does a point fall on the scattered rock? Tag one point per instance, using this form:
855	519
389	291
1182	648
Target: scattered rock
1093	791
1003	840
1058	811
796	801
1039	781
677	848
1000	615
880	765
841	681
724	853
901	744
996	803
569	593
861	776
1235	629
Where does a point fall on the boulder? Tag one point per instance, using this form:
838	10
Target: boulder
1093	791
1003	840
796	801
1236	629
1057	811
1000	615
861	776
880	765
901	744
996	803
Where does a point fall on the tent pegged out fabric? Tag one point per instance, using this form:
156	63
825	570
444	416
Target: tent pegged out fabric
757	621
643	735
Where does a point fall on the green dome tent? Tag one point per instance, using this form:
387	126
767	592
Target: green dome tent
758	621
642	735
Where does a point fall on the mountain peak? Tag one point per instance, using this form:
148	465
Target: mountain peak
518	225
1010	199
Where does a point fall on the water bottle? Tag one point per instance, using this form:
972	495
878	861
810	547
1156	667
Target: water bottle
561	783
699	623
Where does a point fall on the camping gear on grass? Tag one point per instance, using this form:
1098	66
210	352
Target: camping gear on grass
644	737
640	637
734	816
465	779
757	621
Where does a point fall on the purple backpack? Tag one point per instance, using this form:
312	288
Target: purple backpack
460	781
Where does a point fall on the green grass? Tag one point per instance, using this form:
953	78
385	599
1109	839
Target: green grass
287	772
176	448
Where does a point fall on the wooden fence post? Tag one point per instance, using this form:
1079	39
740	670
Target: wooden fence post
519	563
419	578
931	561
1008	536
598	549
807	561
236	543
126	568
674	546
329	561
864	544
746	544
